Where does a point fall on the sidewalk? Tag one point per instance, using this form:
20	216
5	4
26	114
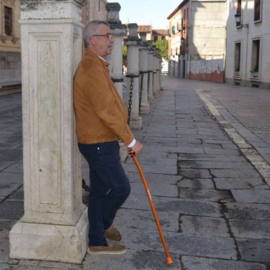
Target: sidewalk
206	176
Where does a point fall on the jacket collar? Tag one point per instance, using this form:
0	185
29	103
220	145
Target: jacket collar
96	58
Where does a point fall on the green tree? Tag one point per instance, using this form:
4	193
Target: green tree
163	46
124	54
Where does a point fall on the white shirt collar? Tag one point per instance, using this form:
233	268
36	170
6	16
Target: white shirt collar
102	58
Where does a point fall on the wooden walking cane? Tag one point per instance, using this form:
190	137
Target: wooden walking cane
169	259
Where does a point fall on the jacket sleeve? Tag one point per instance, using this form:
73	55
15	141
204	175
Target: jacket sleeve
104	103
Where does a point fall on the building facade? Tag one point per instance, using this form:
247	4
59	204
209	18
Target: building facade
248	54
10	46
198	37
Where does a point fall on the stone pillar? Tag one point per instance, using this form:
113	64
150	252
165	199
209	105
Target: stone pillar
133	43
145	107
55	224
151	98
116	57
160	75
155	94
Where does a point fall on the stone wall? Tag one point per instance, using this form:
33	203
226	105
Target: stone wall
10	68
206	70
207	28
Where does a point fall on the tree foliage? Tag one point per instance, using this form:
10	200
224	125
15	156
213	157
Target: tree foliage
163	46
124	54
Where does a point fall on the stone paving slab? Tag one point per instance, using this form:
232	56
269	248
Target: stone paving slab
258	229
153	178
11	210
151	169
247	211
196	183
141	219
188	207
254	250
208	157
208	246
132	260
252	196
5	227
231	173
7	189
4	250
199	173
161	190
153	161
11	178
204	194
240	183
15	168
196	263
215	164
204	226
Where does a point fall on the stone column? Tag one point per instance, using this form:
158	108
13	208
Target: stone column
151	98
133	43
145	107
155	94
116	57
55	224
160	74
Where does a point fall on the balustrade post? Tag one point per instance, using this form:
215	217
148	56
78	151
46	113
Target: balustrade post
143	99
116	57
133	43
54	225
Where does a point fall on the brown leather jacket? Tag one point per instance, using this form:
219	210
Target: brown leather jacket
100	112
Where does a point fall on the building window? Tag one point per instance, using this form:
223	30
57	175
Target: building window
163	37
239	11
155	38
257	10
255	63
237	57
8	21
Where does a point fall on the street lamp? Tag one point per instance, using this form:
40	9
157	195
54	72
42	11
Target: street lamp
238	20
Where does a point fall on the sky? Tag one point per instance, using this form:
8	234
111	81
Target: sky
154	12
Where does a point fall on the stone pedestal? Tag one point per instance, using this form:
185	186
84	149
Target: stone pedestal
145	107
54	225
133	43
116	57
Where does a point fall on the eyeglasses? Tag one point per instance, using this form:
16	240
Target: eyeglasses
109	36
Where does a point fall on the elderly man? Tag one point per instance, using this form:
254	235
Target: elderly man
102	121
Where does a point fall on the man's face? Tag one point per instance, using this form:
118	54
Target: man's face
103	44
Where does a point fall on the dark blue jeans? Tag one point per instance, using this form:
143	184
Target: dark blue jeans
109	187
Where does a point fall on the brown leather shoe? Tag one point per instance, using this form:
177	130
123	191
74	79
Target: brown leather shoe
110	249
113	234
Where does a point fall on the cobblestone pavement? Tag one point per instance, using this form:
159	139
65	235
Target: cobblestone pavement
206	176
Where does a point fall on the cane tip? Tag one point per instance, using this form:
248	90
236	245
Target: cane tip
169	260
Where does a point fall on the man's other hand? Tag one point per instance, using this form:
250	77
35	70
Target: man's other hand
137	148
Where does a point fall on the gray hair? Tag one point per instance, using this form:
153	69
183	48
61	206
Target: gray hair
91	29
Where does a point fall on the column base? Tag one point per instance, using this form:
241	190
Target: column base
145	108
123	152
50	242
135	123
155	94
